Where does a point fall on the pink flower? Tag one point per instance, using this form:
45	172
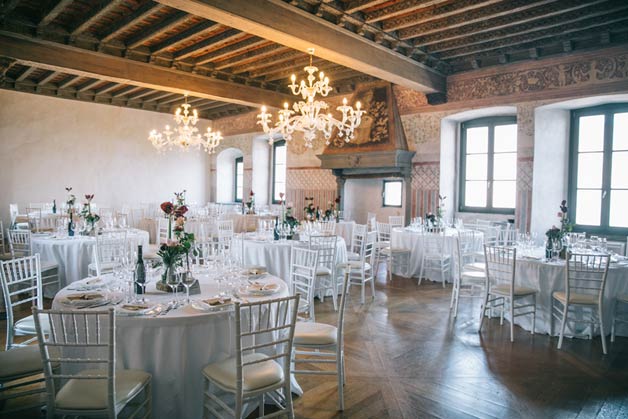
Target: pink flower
281	195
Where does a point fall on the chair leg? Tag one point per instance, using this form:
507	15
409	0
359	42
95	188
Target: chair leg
533	314
389	266
362	292
421	270
261	405
512	319
341	380
372	286
483	310
563	321
501	315
613	328
602	334
442	274
453	296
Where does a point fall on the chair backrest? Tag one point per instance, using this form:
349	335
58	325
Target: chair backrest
457	261
21	284
433	245
325	246
467	244
367	254
110	248
357	238
78	341
328	227
266	325
122	219
501	264
3	249
618	248
371	221
586	274
14	211
303	264
34	217
396	221
48	222
20	243
507	237
383	232
434	229
162	230
225	234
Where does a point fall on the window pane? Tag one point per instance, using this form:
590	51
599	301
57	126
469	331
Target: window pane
588	207
477	140
505	166
280	173
590	170
591	134
504	194
620	131
239	168
392	193
619	175
475	194
505	138
619	209
476	167
280	154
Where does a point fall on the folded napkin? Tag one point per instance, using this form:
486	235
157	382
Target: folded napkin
91	296
257	286
217	301
134	307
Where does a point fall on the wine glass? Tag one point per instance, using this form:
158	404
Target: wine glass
173	284
187	279
557	246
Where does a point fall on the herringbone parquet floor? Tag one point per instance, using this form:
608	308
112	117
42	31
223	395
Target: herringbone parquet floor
407	358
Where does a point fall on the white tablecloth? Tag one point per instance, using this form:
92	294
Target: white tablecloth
415	241
344	229
275	255
547	277
74	254
174	348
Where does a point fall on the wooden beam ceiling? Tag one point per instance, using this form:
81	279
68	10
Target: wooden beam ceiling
129	20
96	13
400	8
72	60
298	29
157	30
53	11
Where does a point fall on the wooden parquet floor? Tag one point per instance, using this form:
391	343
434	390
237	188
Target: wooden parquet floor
406	357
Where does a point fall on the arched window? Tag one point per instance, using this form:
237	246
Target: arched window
238	180
279	169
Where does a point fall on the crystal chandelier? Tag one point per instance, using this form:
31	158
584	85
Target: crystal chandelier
185	134
310	115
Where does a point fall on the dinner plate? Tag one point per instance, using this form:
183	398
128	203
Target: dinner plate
257	289
85	300
254	272
140	309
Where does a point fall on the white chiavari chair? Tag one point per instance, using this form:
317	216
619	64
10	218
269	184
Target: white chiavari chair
121	219
397	221
507	236
303	267
224	230
21	284
164	230
4	255
468	252
619	315
384	250
34	218
328	227
434	257
325	246
20	245
361	270
357	241
466	282
323	344
501	289
88	382
21	372
585	280
49	222
619	248
371	221
109	250
251	375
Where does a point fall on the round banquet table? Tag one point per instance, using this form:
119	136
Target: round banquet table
74	254
344	229
175	347
547	277
414	240
275	255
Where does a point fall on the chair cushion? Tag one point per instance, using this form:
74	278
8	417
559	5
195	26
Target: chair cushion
475	266
394	250
505	290
323	271
310	333
88	394
255	376
473	275
26	326
353	264
20	362
6	256
586	299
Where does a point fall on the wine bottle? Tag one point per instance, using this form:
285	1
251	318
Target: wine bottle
276	229
54	206
140	272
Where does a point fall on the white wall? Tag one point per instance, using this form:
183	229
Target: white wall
225	171
260	182
365	195
47	144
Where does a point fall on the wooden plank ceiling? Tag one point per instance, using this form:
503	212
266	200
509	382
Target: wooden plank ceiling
232	58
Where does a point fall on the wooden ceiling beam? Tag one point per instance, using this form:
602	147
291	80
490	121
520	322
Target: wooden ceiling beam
265	62
154	31
141	94
230	50
7	7
126	90
96	13
89	85
173	99
495	11
251	56
106	89
159	96
540	14
73	60
212	43
288	67
298	29
400	8
48	78
128	21
52	12
359	5
27	72
553	35
181	37
69	81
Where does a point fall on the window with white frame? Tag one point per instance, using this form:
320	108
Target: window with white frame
239	178
598	180
392	192
488	165
279	169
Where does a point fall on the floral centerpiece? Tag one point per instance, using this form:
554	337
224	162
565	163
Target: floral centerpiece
310	211
90	218
287	219
431	219
69	204
557	234
331	213
176	250
250	204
